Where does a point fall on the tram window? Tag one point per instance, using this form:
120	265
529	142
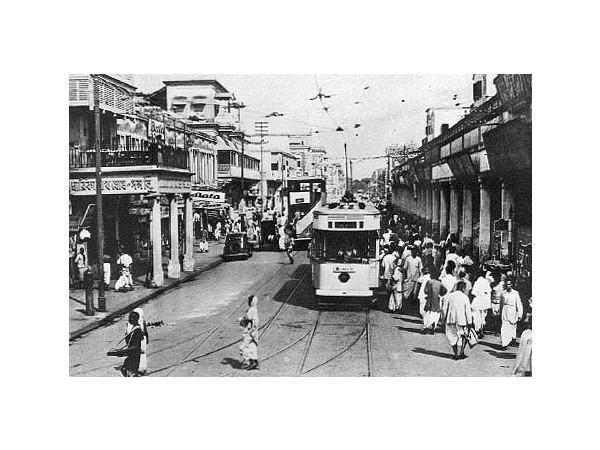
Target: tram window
349	247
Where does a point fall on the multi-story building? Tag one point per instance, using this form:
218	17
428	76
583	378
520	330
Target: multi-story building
474	179
209	107
147	168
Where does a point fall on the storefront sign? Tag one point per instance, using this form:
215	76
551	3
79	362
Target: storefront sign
175	186
211	196
111	186
156	129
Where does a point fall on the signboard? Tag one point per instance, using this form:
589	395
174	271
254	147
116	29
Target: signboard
501	225
111	186
175	186
299	197
156	129
211	196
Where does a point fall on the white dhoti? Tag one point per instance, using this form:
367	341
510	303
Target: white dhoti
508	332
431	319
455	332
422	302
479	318
395	302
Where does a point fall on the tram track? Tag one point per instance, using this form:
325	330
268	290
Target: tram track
262	329
197	335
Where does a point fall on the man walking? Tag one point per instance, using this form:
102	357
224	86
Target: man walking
458	316
511	312
413	267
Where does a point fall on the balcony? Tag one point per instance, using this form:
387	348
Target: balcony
163	156
232	171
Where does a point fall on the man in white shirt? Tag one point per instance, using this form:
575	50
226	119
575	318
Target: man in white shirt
126	282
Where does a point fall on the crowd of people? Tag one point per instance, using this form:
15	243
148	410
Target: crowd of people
451	290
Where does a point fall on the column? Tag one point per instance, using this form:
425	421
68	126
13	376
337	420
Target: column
508	204
188	259
443	212
454	208
485	232
156	242
174	269
467	233
428	212
435	209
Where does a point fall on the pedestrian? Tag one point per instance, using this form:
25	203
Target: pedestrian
434	290
413	267
388	263
497	284
397	294
249	346
133	340
288	245
125	281
458	318
523	362
511	312
386	236
423	279
143	364
106	270
448	280
72	255
80	261
452	256
482	302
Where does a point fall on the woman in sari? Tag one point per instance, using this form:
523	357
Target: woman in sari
143	367
249	346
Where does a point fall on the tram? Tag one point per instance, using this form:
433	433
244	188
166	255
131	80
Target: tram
344	249
304	195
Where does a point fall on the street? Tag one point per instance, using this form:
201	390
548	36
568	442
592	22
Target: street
194	331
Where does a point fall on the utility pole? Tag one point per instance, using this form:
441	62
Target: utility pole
261	128
99	217
351	175
346	156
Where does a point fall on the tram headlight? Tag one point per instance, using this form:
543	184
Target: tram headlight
343	277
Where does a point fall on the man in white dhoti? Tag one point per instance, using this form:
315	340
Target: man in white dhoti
481	302
511	312
458	318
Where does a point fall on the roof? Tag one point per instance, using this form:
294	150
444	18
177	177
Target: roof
196	82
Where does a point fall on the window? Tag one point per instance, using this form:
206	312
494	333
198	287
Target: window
477	90
341	246
274	166
198	107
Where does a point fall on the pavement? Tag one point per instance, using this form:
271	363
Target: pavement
120	303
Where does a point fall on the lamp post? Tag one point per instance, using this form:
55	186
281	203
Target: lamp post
99	217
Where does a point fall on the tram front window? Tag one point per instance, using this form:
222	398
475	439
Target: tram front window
346	247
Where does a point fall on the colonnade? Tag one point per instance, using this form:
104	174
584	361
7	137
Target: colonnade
173	268
445	207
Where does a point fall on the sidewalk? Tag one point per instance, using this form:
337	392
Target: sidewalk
120	303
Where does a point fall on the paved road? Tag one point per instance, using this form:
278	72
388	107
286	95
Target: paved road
199	335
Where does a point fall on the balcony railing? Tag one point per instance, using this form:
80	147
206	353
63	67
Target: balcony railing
121	157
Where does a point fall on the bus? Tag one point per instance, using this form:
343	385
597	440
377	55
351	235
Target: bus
344	248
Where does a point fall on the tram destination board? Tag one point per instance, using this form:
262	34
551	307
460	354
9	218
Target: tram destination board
345	225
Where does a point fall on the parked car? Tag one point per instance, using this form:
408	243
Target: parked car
237	245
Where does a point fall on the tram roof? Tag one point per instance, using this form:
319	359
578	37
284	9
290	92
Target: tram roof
361	208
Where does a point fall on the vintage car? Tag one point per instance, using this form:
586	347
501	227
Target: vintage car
237	245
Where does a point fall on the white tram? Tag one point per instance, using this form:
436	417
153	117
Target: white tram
344	249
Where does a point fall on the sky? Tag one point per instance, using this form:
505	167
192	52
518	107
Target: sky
390	109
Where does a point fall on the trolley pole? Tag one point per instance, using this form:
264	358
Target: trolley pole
99	217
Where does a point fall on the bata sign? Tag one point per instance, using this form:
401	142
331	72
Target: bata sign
156	129
211	196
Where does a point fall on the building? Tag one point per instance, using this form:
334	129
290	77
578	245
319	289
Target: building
149	160
211	108
474	179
